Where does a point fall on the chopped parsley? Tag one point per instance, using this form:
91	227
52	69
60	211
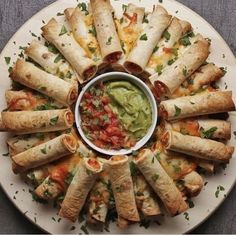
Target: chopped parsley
207	133
166	35
5	154
83	7
219	189
145	20
176	168
93	31
159	69
84	229
7	60
170	62
124	7
177	111
60	14
58	58
185	39
109	41
63	31
40	136
143	37
47	106
184	71
155	49
155	177
44	150
186	216
54	120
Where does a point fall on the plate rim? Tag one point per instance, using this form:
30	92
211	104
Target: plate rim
183	7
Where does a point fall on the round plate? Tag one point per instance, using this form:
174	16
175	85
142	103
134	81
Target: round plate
46	217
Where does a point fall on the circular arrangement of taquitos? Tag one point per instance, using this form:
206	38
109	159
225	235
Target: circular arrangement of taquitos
176	110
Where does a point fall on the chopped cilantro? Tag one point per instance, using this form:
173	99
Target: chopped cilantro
207	133
54	120
143	37
124	7
177	111
155	177
63	31
44	150
83	7
109	41
166	35
84	229
7	60
159	69
155	49
58	58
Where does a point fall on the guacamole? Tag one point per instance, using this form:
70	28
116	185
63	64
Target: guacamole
131	106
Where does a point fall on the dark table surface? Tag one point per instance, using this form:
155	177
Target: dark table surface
219	13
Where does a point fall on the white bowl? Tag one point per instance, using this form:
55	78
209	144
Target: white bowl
140	84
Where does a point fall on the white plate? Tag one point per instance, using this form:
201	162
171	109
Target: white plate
46	217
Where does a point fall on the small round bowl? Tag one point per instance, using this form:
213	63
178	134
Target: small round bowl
112	76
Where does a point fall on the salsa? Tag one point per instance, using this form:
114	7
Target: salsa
115	114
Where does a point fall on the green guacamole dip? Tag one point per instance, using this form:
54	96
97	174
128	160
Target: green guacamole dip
132	107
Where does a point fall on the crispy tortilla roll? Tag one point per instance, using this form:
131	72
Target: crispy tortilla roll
2	125
26	122
31	76
145	199
207	166
166	51
44	153
193	183
106	31
129	27
205	128
148	39
22	143
160	181
204	76
51	62
48	190
83	31
27	100
200	104
85	176
175	164
99	200
174	75
57	34
197	147
122	187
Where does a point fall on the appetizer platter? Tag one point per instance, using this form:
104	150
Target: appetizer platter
117	117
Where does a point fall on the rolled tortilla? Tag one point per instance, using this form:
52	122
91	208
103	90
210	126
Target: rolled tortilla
197	147
193	183
122	187
106	31
160	181
175	164
57	34
197	105
38	175
48	190
205	128
207	166
27	100
83	31
99	200
44	153
2	125
174	75
145	199
50	62
129	27
85	176
22	143
31	76
167	50
204	76
25	122
148	39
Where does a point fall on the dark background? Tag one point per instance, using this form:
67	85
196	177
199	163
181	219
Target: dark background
219	13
